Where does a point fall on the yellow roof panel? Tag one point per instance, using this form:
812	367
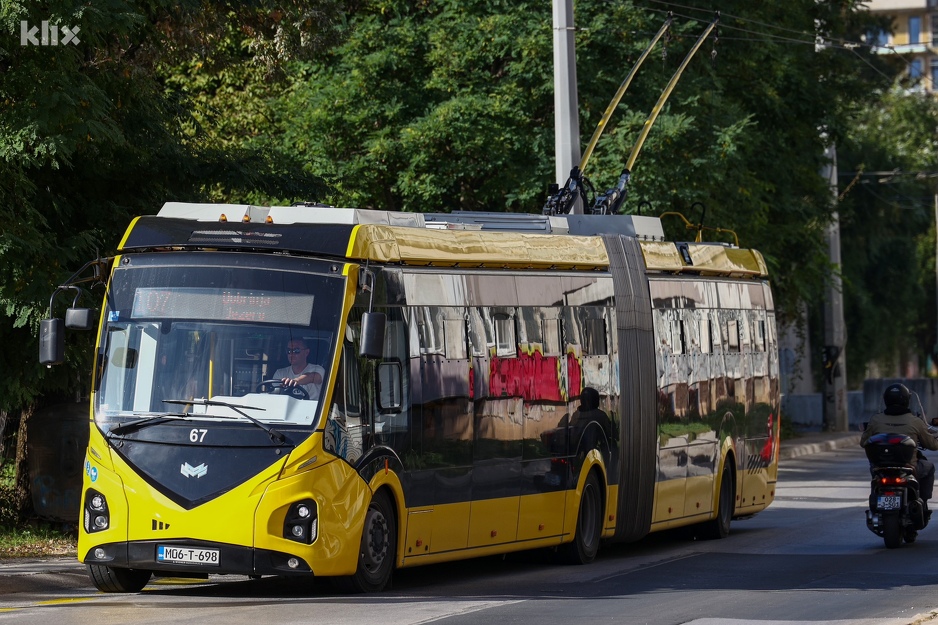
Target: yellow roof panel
475	248
485	248
706	259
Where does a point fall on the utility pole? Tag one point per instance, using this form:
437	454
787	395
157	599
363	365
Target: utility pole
836	418
566	105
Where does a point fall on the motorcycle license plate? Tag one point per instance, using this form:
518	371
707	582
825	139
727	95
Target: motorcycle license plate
889	502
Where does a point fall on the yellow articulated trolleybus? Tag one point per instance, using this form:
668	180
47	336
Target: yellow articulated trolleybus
486	383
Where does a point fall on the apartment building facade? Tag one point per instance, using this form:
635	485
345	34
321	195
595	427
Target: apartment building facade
914	36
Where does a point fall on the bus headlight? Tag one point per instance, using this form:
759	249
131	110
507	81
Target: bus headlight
97	517
301	523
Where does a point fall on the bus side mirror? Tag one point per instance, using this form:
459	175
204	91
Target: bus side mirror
79	318
51	342
372	345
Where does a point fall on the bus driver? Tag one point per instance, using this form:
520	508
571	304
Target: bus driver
300	372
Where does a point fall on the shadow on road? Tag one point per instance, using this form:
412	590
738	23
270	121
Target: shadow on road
534	575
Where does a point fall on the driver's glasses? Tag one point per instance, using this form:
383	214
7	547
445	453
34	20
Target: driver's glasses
294	351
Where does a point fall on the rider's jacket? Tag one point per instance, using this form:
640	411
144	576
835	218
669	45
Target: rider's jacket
900	421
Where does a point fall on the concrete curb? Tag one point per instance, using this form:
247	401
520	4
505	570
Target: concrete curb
838	440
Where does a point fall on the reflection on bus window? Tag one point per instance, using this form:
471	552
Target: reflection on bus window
344	428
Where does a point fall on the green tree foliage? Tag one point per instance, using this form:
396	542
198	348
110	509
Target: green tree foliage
889	162
438	106
432	105
429	106
93	133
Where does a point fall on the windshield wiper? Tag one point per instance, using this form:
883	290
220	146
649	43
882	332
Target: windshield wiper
274	435
142	422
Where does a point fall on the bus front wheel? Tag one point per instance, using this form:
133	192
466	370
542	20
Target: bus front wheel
589	526
108	579
378	548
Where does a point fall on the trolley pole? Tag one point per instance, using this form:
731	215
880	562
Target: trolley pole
566	104
836	418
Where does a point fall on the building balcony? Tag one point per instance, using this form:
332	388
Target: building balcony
905	48
892	6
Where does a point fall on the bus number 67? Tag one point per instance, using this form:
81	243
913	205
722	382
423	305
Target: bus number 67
197	436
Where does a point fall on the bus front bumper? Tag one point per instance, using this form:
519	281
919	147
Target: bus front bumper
231	559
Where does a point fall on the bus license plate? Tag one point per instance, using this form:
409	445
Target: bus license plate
890	502
188	555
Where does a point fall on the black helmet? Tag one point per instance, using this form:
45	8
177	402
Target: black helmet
896	395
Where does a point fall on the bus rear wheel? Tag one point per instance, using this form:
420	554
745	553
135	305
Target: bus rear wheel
378	548
108	579
719	527
589	526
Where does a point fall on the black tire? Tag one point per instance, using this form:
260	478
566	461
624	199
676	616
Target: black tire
719	526
378	549
108	579
892	531
589	526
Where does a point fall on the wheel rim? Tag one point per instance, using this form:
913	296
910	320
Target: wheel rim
375	545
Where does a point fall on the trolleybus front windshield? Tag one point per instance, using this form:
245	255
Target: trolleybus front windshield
210	332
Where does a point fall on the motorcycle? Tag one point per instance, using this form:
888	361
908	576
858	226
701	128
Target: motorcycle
896	511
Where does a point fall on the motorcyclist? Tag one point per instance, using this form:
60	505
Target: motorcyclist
898	419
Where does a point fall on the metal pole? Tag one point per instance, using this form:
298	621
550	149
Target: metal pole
566	105
618	97
646	128
836	417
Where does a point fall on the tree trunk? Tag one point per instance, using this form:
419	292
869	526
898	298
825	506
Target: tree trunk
4	417
22	497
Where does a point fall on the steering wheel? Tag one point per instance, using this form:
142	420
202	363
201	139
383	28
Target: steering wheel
276	387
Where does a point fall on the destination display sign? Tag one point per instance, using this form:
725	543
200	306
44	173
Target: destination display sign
254	306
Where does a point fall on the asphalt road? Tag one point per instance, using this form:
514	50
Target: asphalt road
807	559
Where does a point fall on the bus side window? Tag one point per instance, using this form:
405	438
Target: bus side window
506	343
732	335
349	370
344	427
677	334
595	335
390	396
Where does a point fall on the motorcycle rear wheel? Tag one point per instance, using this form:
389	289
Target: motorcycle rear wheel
892	531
